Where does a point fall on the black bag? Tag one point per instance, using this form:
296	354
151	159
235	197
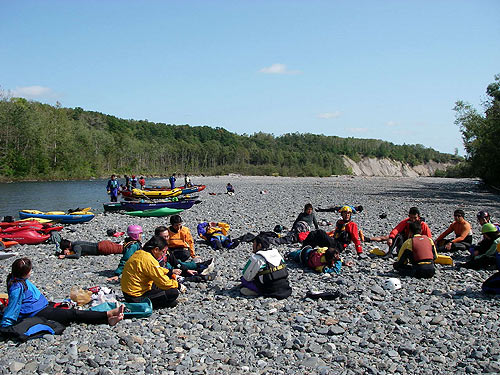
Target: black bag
31	328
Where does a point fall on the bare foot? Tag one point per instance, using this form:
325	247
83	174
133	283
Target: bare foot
115	315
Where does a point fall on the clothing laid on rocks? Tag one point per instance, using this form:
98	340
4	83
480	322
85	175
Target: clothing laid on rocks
310	219
215	234
79	248
315	259
129	248
143	277
416	257
463	236
266	273
181	242
345	232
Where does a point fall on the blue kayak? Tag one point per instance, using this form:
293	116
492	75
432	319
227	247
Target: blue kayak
61	217
141	206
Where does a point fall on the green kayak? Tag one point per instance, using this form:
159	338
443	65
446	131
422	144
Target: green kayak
164	211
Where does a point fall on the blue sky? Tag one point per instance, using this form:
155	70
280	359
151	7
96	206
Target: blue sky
390	70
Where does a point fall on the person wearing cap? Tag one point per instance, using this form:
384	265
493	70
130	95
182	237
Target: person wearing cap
401	232
131	244
484	257
265	273
347	230
463	234
417	254
180	240
307	216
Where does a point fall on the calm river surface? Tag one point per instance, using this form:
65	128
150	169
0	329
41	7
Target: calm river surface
57	195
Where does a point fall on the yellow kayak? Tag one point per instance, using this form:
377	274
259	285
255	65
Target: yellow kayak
138	193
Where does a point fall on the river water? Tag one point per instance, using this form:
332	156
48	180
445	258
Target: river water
57	195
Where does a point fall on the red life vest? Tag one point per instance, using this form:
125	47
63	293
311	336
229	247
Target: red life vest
422	249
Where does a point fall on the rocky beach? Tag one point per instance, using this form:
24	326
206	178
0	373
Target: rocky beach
442	325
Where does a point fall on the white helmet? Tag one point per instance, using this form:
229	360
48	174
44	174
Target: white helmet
392	284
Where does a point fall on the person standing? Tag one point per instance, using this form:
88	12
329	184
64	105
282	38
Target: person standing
133	182
172	180
112	188
142	182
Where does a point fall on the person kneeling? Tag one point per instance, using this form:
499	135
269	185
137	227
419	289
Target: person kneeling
143	277
265	273
416	256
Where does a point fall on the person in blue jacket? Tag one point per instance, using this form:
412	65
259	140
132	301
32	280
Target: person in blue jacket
172	180
25	300
113	188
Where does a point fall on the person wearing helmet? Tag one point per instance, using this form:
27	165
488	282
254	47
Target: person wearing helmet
463	234
484	217
143	277
417	254
130	246
180	240
484	257
347	230
307	216
401	232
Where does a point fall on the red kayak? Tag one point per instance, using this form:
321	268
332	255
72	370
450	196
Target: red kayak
25	237
38	227
19	223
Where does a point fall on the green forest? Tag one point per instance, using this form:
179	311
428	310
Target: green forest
44	142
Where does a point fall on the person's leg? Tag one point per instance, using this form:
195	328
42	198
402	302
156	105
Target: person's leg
460	246
406	270
249	285
182	254
294	255
492	284
162	298
189	265
215	243
424	271
109	247
396	244
67	316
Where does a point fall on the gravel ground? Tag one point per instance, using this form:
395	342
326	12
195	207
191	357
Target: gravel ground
443	325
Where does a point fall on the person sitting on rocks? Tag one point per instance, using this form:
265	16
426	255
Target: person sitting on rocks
347	230
484	217
75	249
401	232
180	240
417	254
463	234
265	273
481	256
25	300
307	216
321	260
229	189
492	284
216	234
143	277
130	246
185	269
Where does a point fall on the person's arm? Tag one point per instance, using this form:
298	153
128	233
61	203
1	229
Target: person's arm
299	218
11	312
426	231
434	250
490	252
445	233
252	267
354	234
126	256
404	254
337	266
77	249
398	229
315	222
465	232
189	240
224	227
159	276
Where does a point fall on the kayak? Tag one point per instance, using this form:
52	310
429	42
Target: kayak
185	189
59	216
164	211
155	194
141	206
25	237
45	228
112	206
7	244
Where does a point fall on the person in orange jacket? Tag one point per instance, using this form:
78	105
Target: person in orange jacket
180	239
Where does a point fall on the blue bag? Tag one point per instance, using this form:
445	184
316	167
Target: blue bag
132	310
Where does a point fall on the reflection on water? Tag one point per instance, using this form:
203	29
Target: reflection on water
56	196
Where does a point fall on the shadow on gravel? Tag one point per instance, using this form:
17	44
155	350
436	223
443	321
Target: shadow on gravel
456	193
105	273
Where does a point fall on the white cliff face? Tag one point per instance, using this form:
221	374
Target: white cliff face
392	168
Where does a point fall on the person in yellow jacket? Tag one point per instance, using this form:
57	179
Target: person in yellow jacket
180	240
143	277
216	235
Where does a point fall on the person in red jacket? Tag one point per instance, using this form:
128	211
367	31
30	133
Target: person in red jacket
401	232
347	230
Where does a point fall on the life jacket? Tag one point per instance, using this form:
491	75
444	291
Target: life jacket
31	328
272	273
341	234
317	258
422	249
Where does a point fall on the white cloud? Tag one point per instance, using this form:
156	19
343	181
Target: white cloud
32	92
357	130
391	123
278	69
329	115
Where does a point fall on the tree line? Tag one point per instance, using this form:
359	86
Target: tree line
481	136
41	141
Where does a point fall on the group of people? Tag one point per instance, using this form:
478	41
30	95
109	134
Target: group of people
157	269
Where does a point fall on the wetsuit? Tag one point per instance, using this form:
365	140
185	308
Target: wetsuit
79	248
416	257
